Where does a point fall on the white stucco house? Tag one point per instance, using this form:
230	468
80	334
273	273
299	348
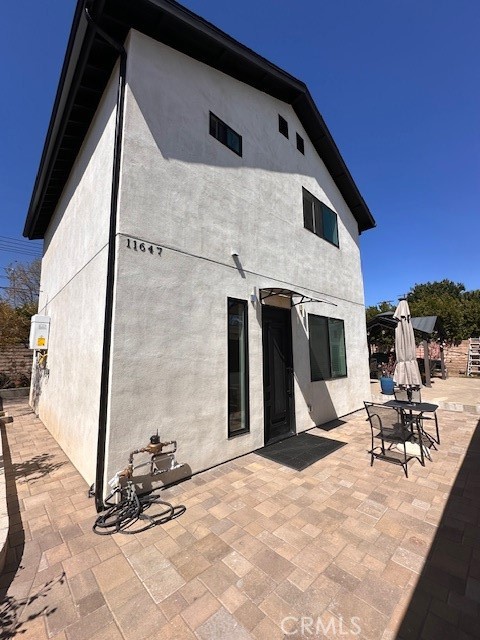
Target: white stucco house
201	264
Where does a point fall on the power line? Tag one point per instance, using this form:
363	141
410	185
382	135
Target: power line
20	246
24	251
20	289
19	240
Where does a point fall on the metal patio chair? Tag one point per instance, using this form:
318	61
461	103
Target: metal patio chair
392	439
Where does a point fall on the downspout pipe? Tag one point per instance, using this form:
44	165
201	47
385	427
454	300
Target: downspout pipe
110	284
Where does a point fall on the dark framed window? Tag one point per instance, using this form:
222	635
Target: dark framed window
238	387
225	134
328	358
283	126
300	144
319	219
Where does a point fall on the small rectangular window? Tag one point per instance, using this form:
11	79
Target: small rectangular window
328	359
238	391
300	144
308	211
319	219
283	126
225	134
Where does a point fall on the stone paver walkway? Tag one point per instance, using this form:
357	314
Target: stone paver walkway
262	551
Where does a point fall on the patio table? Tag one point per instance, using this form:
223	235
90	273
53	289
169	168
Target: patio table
419	408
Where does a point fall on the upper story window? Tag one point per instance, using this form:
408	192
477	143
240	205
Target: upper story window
225	134
300	144
319	219
328	358
283	126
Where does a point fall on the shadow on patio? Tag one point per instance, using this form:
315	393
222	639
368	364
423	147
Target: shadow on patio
446	600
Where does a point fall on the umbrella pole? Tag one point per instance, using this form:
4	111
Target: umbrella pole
442	364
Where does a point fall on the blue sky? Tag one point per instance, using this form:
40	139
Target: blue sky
397	81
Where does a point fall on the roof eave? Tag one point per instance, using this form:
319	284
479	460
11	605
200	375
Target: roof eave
202	41
72	55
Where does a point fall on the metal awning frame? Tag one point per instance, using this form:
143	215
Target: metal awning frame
290	294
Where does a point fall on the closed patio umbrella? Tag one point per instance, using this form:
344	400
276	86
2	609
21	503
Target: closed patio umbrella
407	373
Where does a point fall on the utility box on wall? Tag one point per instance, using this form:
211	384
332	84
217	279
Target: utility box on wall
39	330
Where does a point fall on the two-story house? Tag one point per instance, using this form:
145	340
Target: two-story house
201	262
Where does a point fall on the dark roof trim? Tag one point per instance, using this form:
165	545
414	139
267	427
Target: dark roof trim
89	63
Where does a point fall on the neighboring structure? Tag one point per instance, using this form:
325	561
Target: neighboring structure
202	263
424	327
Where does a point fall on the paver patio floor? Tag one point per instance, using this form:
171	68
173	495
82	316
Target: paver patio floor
262	551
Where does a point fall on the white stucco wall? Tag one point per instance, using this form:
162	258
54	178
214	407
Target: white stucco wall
184	191
73	295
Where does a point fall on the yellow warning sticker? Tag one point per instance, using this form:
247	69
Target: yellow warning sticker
41	342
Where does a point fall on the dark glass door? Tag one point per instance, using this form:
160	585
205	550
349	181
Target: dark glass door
277	374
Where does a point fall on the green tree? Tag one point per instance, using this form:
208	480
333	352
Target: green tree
471	301
19	302
458	311
450	312
444	299
382	307
14	324
436	290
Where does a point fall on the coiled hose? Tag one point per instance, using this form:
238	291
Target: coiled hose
122	516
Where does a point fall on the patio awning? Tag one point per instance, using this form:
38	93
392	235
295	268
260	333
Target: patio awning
424	325
294	297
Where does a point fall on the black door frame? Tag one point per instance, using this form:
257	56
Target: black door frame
286	318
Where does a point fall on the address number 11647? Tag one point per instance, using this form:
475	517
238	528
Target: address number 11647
143	247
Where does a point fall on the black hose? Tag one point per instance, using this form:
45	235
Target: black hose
122	516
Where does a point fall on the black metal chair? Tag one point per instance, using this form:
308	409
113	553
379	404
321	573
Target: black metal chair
392	439
413	394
